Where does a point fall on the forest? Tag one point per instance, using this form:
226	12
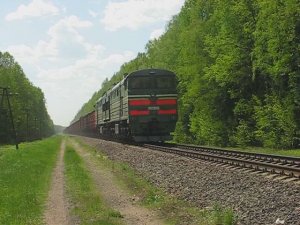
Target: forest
238	69
30	116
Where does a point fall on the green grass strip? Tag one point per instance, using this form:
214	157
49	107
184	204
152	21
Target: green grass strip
284	152
25	176
89	208
174	211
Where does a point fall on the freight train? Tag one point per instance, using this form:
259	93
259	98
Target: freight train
141	107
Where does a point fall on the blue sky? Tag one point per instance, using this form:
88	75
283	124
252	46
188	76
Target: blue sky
68	47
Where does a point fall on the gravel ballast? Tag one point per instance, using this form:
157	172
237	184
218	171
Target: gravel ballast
255	199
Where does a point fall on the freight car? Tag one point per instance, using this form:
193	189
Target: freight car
88	124
142	107
85	125
74	128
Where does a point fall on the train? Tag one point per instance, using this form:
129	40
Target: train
142	107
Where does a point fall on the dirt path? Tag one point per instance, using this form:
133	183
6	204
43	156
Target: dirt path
57	208
114	196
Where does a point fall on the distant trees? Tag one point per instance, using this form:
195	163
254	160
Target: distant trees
238	67
28	105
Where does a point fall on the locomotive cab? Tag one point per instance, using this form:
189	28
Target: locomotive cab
142	107
152	105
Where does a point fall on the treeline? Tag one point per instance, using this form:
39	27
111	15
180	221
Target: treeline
30	115
238	69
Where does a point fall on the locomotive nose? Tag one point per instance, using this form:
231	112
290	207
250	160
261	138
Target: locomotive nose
153	97
153	125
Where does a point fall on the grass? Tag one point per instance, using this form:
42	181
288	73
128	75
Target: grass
287	152
219	215
89	208
171	209
25	176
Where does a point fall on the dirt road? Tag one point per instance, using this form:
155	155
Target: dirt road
57	210
57	204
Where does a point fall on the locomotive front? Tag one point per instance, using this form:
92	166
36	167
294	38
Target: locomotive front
152	105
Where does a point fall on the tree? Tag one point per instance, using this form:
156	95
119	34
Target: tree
28	106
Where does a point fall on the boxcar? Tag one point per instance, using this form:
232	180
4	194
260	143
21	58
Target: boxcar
74	128
88	124
85	125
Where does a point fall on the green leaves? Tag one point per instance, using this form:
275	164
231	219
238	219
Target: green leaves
237	63
276	44
275	122
27	105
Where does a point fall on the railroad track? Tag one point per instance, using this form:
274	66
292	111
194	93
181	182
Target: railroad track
275	164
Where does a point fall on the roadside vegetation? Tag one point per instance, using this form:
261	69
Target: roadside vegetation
28	104
285	152
25	180
237	64
88	208
172	210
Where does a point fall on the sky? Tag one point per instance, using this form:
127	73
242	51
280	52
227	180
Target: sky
69	47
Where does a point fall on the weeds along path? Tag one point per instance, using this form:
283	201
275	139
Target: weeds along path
57	207
114	195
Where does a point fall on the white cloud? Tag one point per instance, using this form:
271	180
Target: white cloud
35	8
71	86
133	14
70	24
64	42
90	66
26	54
156	34
93	14
68	67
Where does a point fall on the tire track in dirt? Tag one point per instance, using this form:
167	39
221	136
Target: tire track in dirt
114	196
56	212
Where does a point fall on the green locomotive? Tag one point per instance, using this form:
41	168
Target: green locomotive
143	106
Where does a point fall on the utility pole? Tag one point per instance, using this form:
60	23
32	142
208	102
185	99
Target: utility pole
6	94
35	128
27	128
40	129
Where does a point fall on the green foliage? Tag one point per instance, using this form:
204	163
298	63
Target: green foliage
275	123
28	103
276	41
237	64
25	180
245	124
223	216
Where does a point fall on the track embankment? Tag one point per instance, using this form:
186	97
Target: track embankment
114	195
256	199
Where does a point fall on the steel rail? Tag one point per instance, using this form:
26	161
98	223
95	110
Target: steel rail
287	170
258	156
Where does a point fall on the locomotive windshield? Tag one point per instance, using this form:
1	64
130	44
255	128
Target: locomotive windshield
149	82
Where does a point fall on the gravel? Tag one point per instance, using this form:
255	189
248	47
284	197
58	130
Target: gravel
255	199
